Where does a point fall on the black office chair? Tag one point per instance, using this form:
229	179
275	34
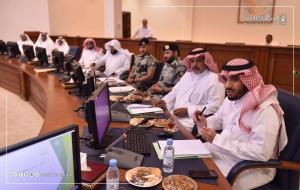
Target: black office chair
75	52
288	164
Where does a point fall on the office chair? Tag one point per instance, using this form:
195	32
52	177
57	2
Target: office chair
288	163
75	52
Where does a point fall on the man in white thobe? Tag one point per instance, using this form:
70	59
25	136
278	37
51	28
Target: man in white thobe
144	31
62	45
44	41
91	55
116	60
251	121
24	40
199	87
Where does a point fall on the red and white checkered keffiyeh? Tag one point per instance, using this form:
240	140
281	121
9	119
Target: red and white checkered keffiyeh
208	61
258	91
90	40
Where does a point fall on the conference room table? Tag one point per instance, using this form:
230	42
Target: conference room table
54	103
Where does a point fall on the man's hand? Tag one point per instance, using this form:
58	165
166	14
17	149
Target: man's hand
130	80
207	133
181	112
162	104
155	89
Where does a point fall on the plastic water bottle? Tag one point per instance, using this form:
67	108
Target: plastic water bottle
112	176
168	162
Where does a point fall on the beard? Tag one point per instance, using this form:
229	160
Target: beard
236	94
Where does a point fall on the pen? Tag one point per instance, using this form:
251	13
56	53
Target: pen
200	114
158	145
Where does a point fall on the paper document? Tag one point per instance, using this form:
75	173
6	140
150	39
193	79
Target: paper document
132	106
110	79
144	110
43	70
186	148
120	89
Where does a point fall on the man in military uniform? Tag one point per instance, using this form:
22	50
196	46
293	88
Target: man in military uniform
143	70
172	71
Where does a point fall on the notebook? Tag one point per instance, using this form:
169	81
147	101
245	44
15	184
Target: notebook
97	169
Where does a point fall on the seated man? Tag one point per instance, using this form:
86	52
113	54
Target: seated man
143	70
198	88
46	42
172	71
251	121
25	40
91	56
116	60
62	45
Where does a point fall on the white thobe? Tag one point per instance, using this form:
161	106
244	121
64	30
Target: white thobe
235	144
88	57
143	33
115	63
63	48
26	42
194	92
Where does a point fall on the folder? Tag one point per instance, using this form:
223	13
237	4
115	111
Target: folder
183	149
97	169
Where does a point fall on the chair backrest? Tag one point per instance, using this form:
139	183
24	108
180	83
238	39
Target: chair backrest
75	52
291	107
158	70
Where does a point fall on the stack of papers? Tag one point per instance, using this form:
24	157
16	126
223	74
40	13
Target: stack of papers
43	70
121	89
183	149
110	79
140	110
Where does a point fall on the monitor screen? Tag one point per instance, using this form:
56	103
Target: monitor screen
98	115
47	162
28	52
13	49
41	54
3	48
102	111
58	59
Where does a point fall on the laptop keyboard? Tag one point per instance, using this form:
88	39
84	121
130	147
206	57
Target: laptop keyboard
138	141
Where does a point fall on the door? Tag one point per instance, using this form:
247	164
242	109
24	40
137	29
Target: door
126	18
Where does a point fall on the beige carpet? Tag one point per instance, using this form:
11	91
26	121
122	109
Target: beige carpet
18	119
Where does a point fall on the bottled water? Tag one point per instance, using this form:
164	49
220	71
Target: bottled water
168	161
112	176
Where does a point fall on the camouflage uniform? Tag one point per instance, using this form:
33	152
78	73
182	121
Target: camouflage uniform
171	74
142	65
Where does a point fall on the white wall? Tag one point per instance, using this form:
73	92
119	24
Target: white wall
178	21
167	23
17	16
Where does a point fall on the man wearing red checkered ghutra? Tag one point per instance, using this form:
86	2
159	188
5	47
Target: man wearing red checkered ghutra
251	121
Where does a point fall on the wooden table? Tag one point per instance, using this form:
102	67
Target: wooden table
55	104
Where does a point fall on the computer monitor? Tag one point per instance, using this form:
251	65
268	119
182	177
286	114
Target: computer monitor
3	48
47	162
58	59
41	54
28	52
13	49
98	115
78	75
